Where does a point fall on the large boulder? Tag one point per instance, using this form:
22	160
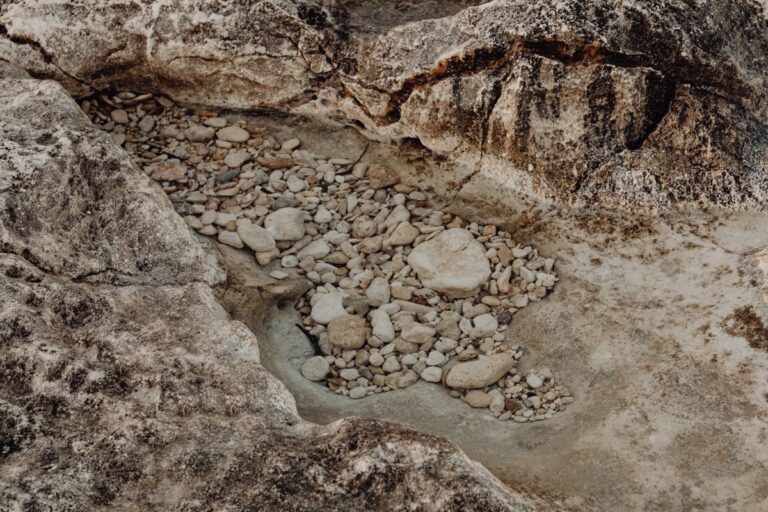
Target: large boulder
634	104
452	263
124	384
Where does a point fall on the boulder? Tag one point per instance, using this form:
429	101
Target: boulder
452	263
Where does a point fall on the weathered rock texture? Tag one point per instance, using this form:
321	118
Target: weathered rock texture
125	385
635	104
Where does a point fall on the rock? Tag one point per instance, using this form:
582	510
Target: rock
317	249
484	325
233	134
169	170
327	308
146	124
512	405
417	333
404	234
349	374
407	378
376	359
432	374
363	227
377	292
236	158
391	364
381	177
497	402
315	368
534	381
230	238
255	237
215	122
452	263
436	358
480	373
357	393
382	326
120	116
285	224
347	332
197	133
478	399
275	161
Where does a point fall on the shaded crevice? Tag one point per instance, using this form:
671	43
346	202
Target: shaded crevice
659	95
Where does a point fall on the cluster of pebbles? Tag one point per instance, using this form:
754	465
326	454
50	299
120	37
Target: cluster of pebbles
402	292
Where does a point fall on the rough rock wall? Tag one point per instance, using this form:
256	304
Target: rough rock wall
124	384
636	104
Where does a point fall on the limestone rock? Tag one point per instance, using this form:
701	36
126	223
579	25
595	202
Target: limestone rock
452	263
285	224
255	237
481	372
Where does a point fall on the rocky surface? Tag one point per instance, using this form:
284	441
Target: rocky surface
399	289
125	384
635	104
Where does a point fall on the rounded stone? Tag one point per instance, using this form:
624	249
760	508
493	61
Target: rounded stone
452	263
285	224
315	368
233	134
432	374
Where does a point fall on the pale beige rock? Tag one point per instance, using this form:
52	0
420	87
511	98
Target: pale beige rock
452	263
347	332
480	373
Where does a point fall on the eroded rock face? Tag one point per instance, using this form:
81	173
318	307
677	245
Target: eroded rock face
125	383
637	104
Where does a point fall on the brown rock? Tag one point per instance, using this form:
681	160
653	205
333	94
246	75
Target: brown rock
347	332
275	161
381	177
170	170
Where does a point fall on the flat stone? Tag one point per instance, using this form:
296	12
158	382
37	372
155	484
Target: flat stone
417	333
233	134
484	325
255	237
480	373
230	238
285	224
215	122
452	263
347	332
478	399
315	368
317	249
275	162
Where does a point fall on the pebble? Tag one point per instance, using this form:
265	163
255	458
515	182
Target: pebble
255	237
120	116
233	134
146	124
230	238
382	326
327	308
432	374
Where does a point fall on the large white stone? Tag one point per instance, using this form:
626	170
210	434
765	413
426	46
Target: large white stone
452	263
328	307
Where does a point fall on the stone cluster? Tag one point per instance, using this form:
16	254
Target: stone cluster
402	291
